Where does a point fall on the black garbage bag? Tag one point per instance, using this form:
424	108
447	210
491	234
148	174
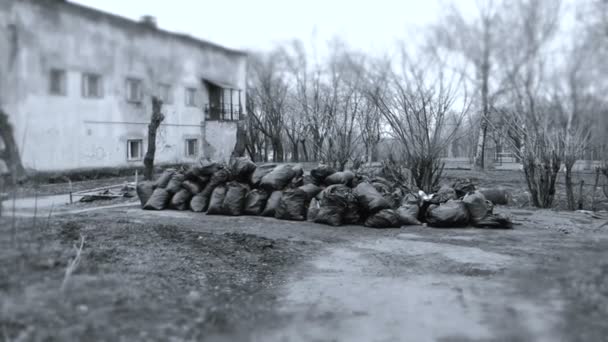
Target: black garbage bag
382	188
495	221
477	206
444	194
144	191
321	172
273	203
351	214
199	203
278	178
193	187
255	202
313	210
411	198
181	200
311	191
208	168
234	201
332	205
498	196
175	184
408	214
299	171
452	214
216	203
221	176
370	200
292	205
242	168
344	177
463	187
260	172
164	178
159	200
386	218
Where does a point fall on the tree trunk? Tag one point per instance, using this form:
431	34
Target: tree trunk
570	187
11	154
241	140
277	150
485	103
157	118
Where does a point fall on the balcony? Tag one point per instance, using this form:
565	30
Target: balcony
226	112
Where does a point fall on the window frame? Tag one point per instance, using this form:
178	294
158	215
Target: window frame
86	90
187	97
63	79
140	89
169	100
130	150
187	142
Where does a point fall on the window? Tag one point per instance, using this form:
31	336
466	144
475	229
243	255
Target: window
135	149
191	147
134	90
191	97
57	82
165	93
91	86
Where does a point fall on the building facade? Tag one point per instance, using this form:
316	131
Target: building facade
77	86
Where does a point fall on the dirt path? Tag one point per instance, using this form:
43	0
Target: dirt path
452	285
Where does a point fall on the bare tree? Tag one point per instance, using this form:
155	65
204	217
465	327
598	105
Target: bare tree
268	91
11	151
155	121
417	101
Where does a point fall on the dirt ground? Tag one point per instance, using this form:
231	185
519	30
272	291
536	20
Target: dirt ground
181	276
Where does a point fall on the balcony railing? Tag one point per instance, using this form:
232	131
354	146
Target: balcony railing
226	112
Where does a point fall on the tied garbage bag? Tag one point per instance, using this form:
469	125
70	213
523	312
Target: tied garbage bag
345	177
321	172
311	190
278	178
332	205
386	218
175	184
217	200
463	187
159	200
242	169
452	214
199	203
477	205
193	187
292	205
144	191
208	168
273	203
181	200
370	200
164	178
313	210
498	196
495	221
234	200
260	172
351	213
408	214
255	202
444	194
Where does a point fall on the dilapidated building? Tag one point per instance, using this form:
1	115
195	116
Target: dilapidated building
77	84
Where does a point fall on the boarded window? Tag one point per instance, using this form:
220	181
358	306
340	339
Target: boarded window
92	86
191	147
134	90
191	97
165	93
57	82
135	149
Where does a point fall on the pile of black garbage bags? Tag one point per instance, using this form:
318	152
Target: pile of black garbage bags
323	196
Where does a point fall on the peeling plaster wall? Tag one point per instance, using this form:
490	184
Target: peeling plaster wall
69	132
220	138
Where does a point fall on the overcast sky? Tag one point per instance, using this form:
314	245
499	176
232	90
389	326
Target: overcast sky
371	26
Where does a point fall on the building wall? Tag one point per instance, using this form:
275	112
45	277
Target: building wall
68	132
